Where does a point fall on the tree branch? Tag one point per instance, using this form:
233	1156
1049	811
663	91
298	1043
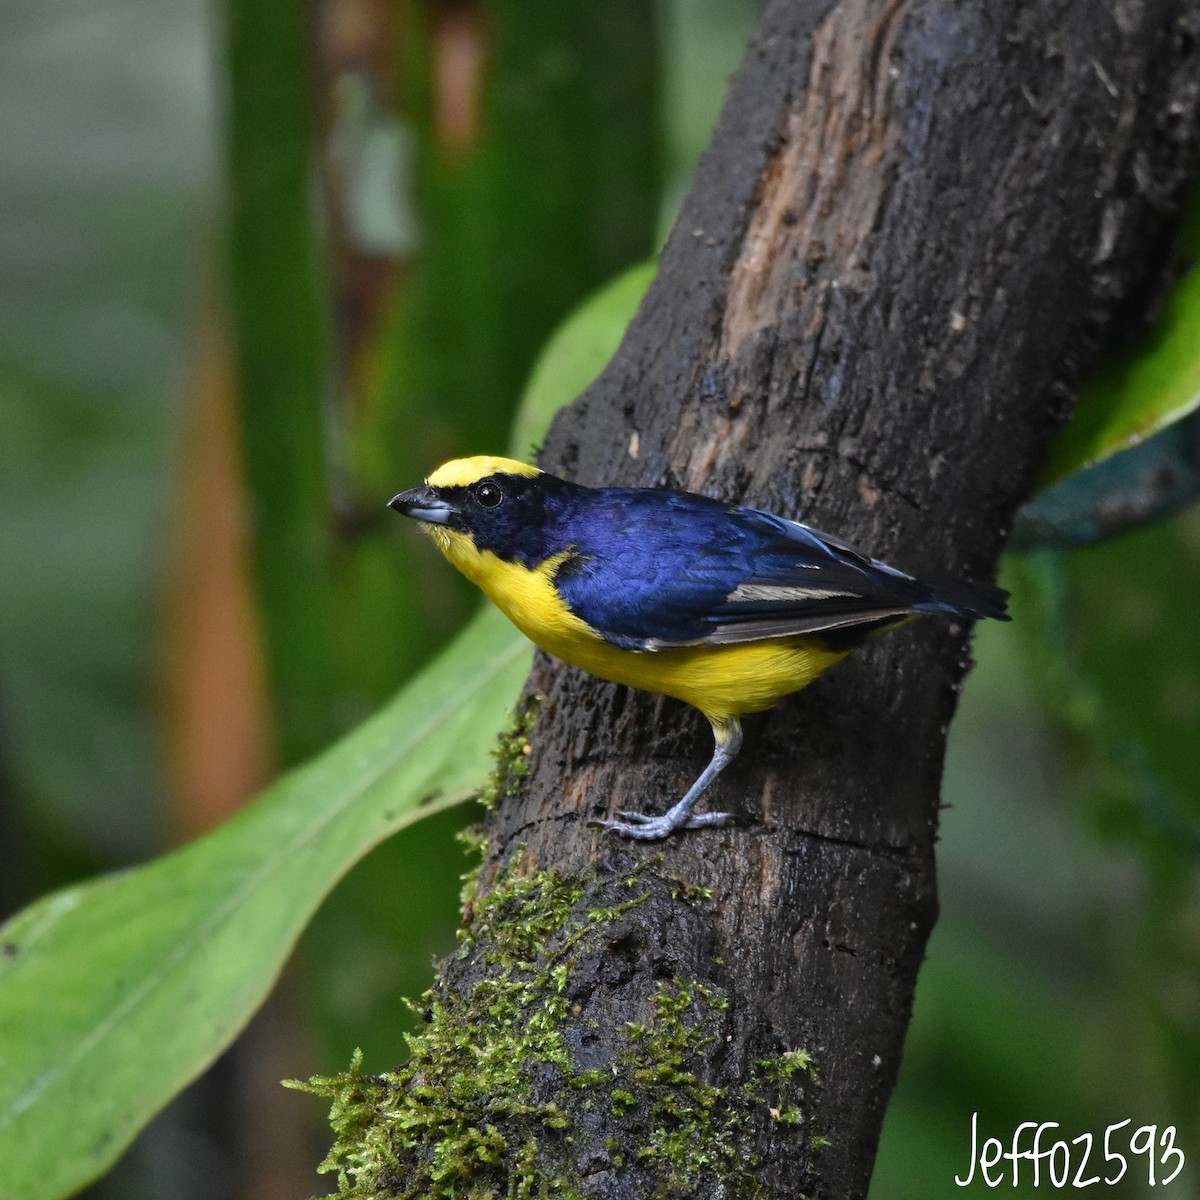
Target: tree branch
908	237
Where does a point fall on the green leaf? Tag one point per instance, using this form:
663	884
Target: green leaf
577	353
1147	389
117	992
1143	483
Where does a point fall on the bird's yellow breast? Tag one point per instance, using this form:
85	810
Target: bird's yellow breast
721	681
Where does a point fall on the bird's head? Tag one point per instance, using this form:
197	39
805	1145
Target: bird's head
498	505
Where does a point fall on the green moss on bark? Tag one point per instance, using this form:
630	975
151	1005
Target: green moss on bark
511	772
499	1094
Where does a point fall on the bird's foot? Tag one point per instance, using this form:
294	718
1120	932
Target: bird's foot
645	828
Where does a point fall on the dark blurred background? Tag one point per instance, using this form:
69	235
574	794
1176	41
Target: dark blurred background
260	267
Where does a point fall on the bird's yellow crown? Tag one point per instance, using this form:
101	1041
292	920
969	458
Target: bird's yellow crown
462	472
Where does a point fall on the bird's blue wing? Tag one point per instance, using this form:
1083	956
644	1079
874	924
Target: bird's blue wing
657	569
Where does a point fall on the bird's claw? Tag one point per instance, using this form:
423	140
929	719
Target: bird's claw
645	828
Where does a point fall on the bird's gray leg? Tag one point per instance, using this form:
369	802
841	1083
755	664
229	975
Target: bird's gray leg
727	734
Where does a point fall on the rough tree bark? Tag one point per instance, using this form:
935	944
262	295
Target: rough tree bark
916	223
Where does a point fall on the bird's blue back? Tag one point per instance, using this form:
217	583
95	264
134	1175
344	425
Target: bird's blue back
653	567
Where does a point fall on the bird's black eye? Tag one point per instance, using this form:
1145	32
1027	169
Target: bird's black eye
488	494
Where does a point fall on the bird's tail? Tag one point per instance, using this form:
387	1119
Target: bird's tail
953	598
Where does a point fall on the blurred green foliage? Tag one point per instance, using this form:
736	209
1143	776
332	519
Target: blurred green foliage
102	157
76	607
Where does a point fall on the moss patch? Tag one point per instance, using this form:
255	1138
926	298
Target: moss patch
508	777
502	1093
512	750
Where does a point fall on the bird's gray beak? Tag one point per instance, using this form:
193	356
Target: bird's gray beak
424	504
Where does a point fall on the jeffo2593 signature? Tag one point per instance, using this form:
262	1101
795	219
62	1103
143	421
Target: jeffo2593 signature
1036	1154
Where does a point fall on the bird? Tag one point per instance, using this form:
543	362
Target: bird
724	607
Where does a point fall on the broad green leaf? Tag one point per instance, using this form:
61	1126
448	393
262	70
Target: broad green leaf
577	353
117	992
1142	483
1145	390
